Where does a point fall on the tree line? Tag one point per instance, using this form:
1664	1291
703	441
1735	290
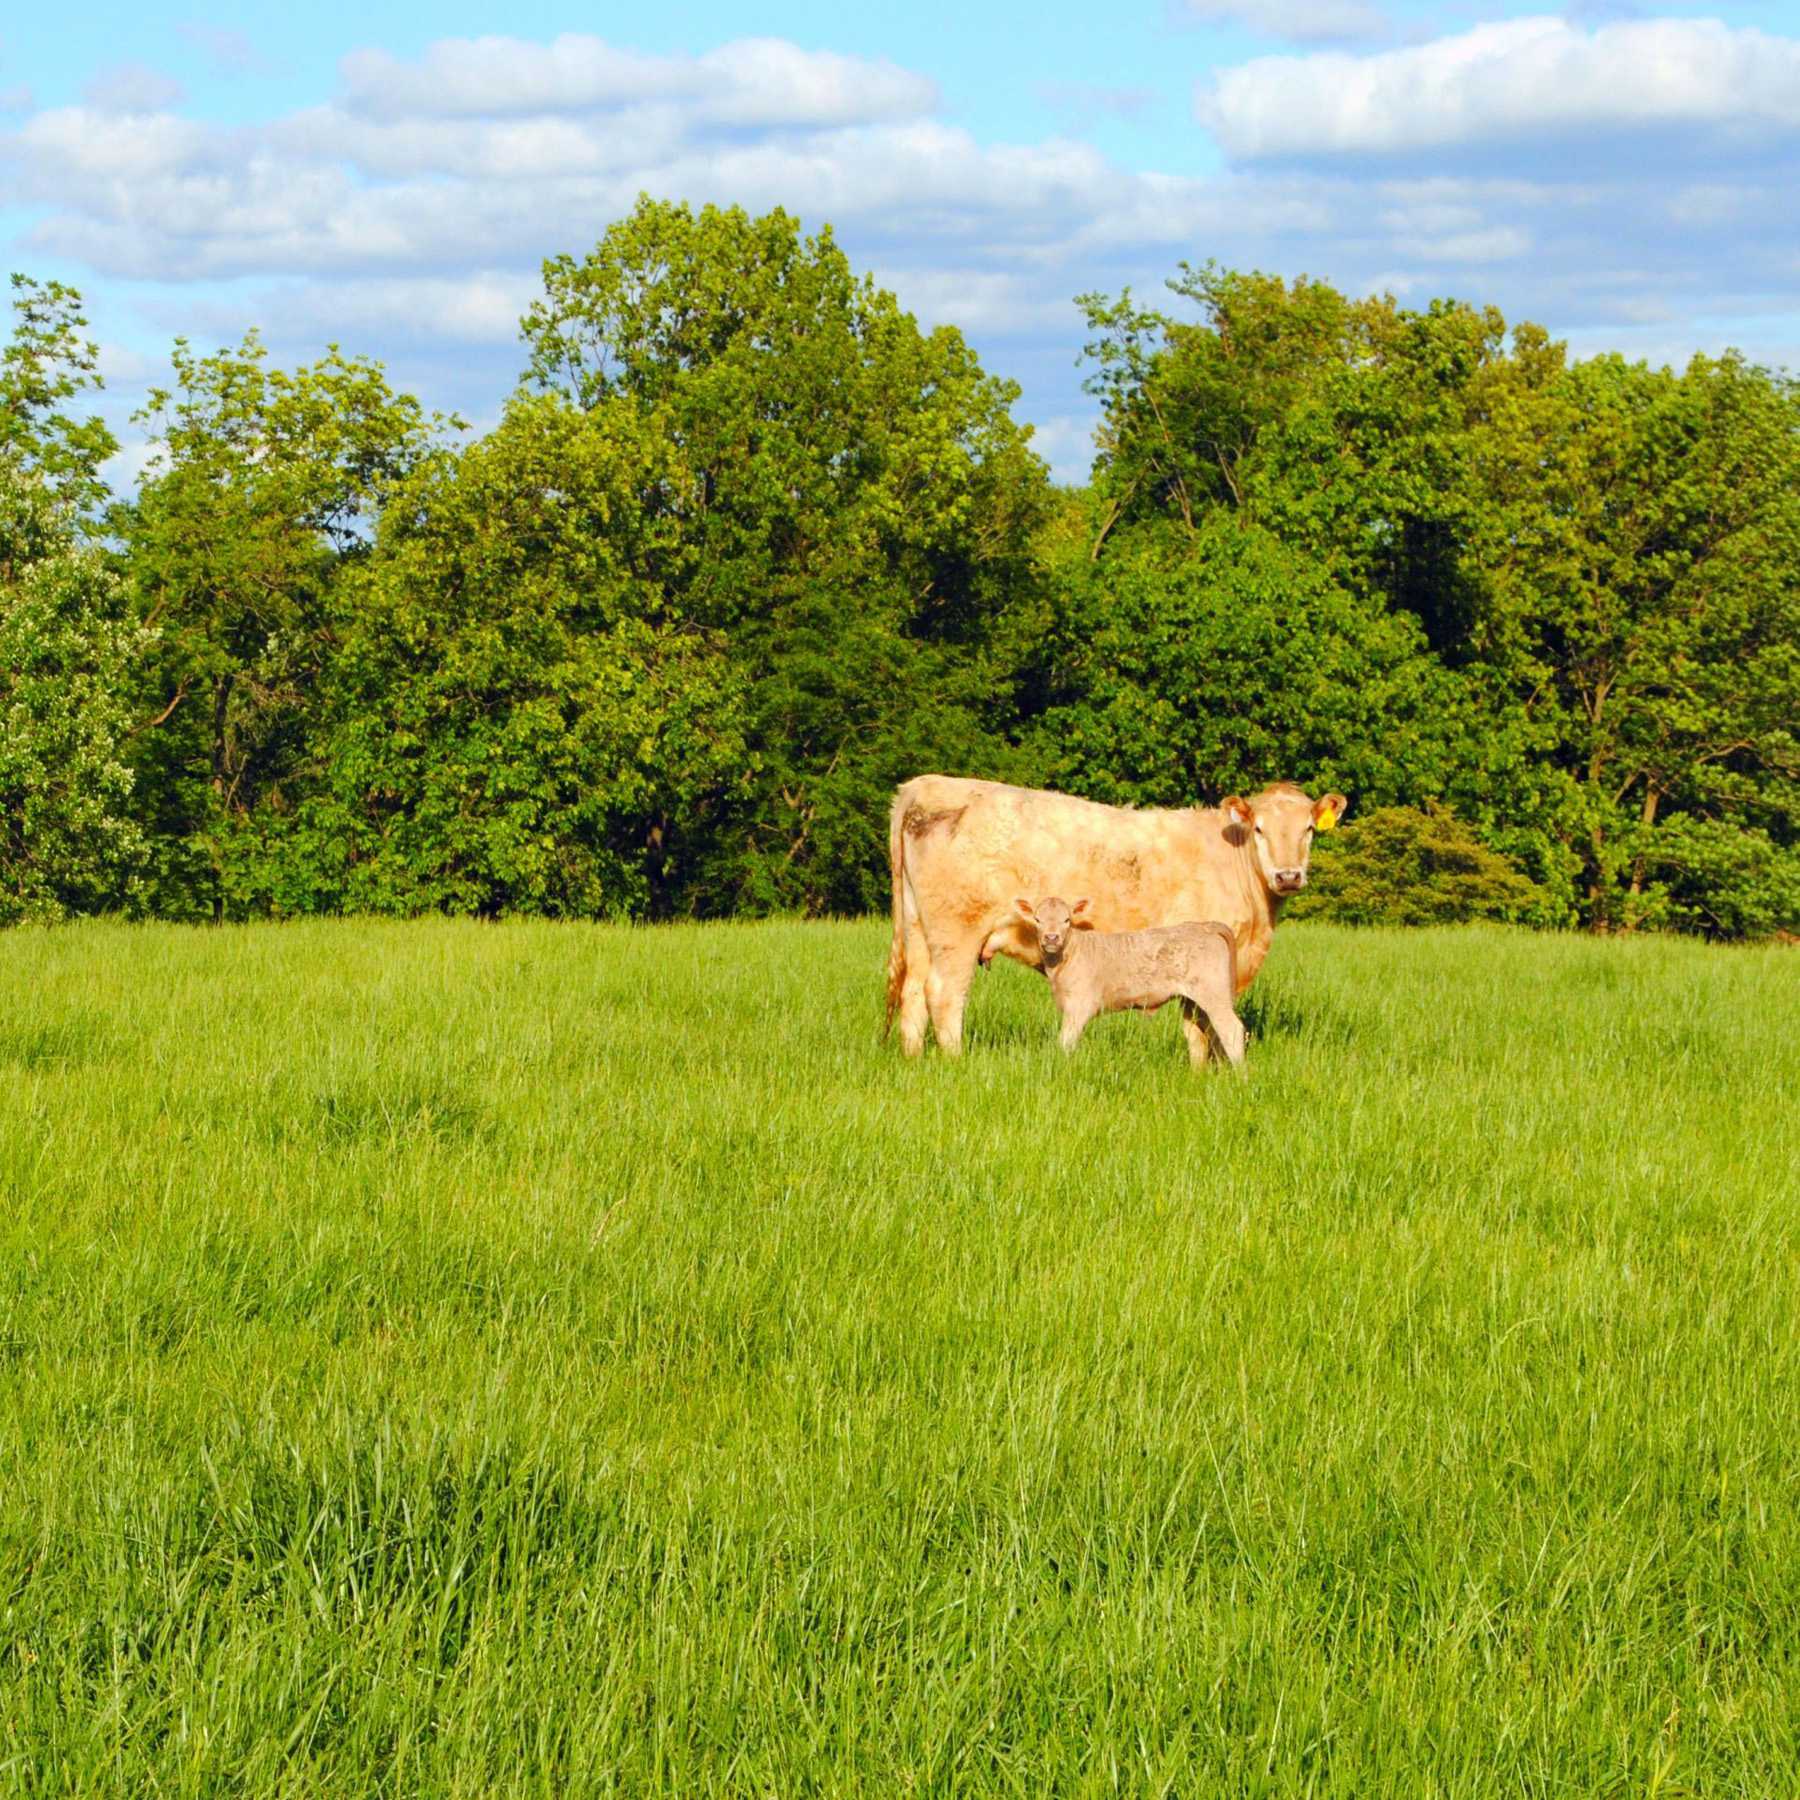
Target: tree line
747	547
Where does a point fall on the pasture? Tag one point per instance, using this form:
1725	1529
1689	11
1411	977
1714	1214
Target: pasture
459	1359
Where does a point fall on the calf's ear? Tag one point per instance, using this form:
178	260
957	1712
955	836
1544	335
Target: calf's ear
1079	913
1328	811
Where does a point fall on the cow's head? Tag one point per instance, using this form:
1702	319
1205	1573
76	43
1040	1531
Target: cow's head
1055	922
1278	826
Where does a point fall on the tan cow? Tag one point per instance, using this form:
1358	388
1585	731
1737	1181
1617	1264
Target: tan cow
962	851
1093	972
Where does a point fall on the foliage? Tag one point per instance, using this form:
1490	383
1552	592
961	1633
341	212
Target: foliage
856	516
1238	664
1641	568
67	841
45	364
516	724
1405	865
748	547
265	485
1606	556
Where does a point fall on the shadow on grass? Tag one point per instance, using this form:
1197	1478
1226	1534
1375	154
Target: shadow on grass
62	1044
294	1116
367	1110
1269	1015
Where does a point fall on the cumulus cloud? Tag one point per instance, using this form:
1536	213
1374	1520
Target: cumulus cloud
132	88
406	214
1066	442
1294	21
481	309
756	81
1511	82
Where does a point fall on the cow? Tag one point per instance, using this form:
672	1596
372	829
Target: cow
1092	972
961	851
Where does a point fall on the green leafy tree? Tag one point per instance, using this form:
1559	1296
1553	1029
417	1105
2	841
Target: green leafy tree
1605	556
855	513
1236	664
1338	424
1641	559
67	840
1405	865
264	487
46	363
515	721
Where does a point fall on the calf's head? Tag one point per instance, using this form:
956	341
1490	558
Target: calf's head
1278	825
1056	923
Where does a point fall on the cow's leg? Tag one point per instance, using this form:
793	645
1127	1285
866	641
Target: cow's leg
913	1008
947	991
1193	1027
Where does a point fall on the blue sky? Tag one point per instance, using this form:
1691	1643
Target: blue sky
389	177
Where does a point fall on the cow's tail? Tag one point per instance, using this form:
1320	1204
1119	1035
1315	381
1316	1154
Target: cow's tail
896	979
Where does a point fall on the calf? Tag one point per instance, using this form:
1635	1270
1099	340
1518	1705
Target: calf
1107	971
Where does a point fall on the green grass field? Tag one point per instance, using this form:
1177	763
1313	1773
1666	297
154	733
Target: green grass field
473	1360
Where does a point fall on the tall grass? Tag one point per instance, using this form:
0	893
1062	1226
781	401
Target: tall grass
529	1359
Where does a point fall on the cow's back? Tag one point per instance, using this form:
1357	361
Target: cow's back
973	847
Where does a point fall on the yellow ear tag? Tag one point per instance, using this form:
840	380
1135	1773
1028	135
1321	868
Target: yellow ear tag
1325	819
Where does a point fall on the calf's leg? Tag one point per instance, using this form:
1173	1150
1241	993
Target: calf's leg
1228	1028
1193	1028
1075	1021
1203	1023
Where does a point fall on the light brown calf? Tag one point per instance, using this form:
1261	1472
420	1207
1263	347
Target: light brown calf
1093	972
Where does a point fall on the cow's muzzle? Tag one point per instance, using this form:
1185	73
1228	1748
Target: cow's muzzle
1289	881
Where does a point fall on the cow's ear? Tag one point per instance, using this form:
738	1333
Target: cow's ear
1024	908
1236	808
1079	913
1328	811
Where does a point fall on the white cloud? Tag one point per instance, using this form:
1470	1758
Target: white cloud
406	216
755	81
121	366
64	149
132	88
1296	21
482	308
1516	80
989	303
1498	243
1066	442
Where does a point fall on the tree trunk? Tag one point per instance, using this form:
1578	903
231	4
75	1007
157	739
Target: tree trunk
1652	794
221	706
